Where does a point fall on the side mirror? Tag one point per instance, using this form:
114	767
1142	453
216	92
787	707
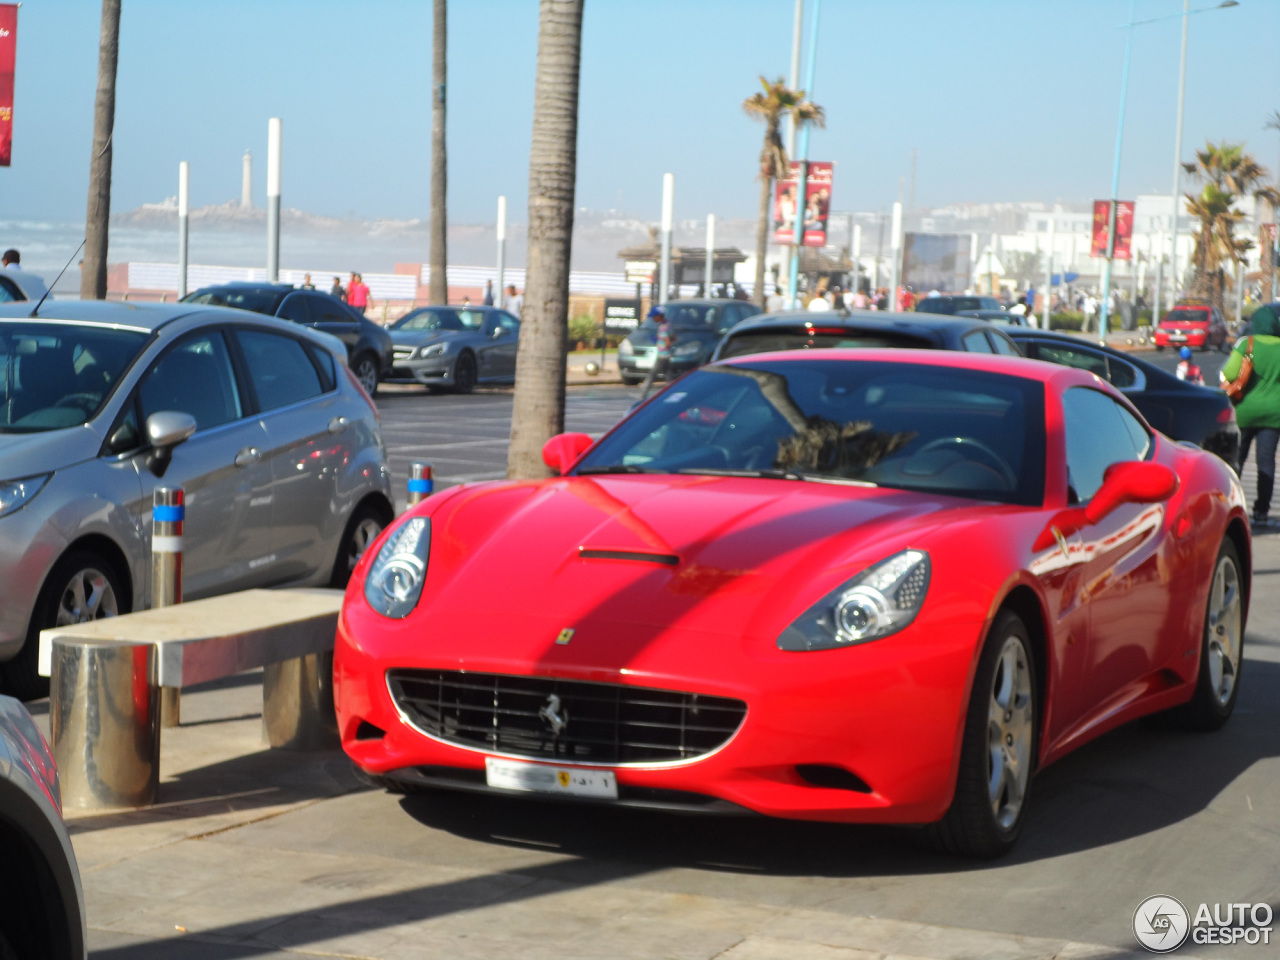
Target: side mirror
1131	481
165	430
563	450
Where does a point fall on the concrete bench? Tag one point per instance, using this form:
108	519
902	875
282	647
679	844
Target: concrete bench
107	677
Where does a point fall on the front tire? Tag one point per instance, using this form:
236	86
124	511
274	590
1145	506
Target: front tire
82	586
997	753
1221	647
632	381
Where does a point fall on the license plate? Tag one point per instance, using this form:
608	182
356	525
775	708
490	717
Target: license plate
644	363
1177	336
545	778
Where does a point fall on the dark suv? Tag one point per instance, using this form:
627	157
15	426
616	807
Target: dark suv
368	345
697	325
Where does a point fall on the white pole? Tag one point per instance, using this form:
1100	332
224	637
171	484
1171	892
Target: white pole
501	297
1177	159
1159	284
184	199
796	30
1048	270
246	182
274	132
973	261
895	248
711	251
668	202
857	257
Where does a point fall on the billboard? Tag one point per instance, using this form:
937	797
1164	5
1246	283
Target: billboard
817	205
8	44
1124	229
621	316
936	261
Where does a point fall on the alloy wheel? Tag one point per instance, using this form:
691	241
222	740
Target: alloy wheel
365	532
1223	629
1010	724
367	373
87	596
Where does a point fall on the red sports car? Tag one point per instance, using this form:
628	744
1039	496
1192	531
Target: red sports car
859	586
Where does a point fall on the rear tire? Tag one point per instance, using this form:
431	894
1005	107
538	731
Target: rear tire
1221	647
82	586
464	373
364	526
365	367
998	751
632	381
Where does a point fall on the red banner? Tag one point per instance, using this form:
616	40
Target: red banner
1124	229
8	46
817	205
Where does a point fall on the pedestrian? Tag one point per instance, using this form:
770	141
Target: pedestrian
1186	370
1258	411
664	337
488	293
513	302
358	293
12	260
306	282
820	301
860	300
338	290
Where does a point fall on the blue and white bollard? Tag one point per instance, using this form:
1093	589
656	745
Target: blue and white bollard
168	511
420	482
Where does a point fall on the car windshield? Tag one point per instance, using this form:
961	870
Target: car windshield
767	340
1188	316
259	301
57	375
428	319
966	433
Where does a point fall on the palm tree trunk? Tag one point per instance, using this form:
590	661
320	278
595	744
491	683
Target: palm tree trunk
538	412
762	238
93	274
438	284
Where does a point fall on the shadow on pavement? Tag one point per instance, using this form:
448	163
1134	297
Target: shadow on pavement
1136	780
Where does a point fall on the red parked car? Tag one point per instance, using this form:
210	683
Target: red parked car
1195	325
845	585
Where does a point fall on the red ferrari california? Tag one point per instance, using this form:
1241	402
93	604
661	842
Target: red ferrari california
857	586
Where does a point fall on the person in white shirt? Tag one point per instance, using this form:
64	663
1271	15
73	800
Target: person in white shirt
820	302
513	302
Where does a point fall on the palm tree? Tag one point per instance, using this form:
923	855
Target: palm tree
438	282
1268	261
93	275
775	101
538	411
1229	173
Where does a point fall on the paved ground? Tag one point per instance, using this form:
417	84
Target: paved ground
254	853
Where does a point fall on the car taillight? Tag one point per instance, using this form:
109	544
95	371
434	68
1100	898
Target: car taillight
1227	415
363	392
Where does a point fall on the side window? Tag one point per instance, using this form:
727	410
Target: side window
1004	346
728	316
280	369
328	371
9	292
1073	357
975	341
194	377
295	308
1099	432
327	310
1123	375
510	325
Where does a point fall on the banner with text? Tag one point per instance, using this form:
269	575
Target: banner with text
817	205
1124	228
8	46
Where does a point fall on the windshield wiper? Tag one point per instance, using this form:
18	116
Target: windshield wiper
617	468
772	473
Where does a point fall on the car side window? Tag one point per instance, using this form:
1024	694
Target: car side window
1122	375
727	316
324	360
295	308
1071	356
9	291
975	341
1098	433
1003	345
280	369
194	377
327	310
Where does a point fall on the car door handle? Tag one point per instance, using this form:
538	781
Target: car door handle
248	456
337	424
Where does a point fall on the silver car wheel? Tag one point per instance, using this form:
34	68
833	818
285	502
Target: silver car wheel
366	372
1223	630
365	533
1010	722
87	596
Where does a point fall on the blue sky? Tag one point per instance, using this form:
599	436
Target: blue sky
1003	99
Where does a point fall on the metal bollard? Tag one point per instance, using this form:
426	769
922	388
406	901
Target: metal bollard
167	512
420	481
297	704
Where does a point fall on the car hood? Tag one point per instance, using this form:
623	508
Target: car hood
629	556
28	454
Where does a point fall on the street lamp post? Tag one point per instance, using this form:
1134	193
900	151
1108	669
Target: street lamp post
1113	203
802	173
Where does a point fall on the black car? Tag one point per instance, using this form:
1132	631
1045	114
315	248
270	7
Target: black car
697	325
1179	410
952	304
368	345
804	330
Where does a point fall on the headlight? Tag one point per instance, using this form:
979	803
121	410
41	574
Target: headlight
14	494
877	602
435	350
395	580
625	348
687	349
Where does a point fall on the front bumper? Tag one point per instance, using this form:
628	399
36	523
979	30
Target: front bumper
639	364
888	712
1180	338
429	370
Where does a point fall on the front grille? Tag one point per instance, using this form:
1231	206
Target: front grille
403	353
604	723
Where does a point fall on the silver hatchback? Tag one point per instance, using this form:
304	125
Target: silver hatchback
260	421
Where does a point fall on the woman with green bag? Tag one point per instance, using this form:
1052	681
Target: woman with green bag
1258	411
